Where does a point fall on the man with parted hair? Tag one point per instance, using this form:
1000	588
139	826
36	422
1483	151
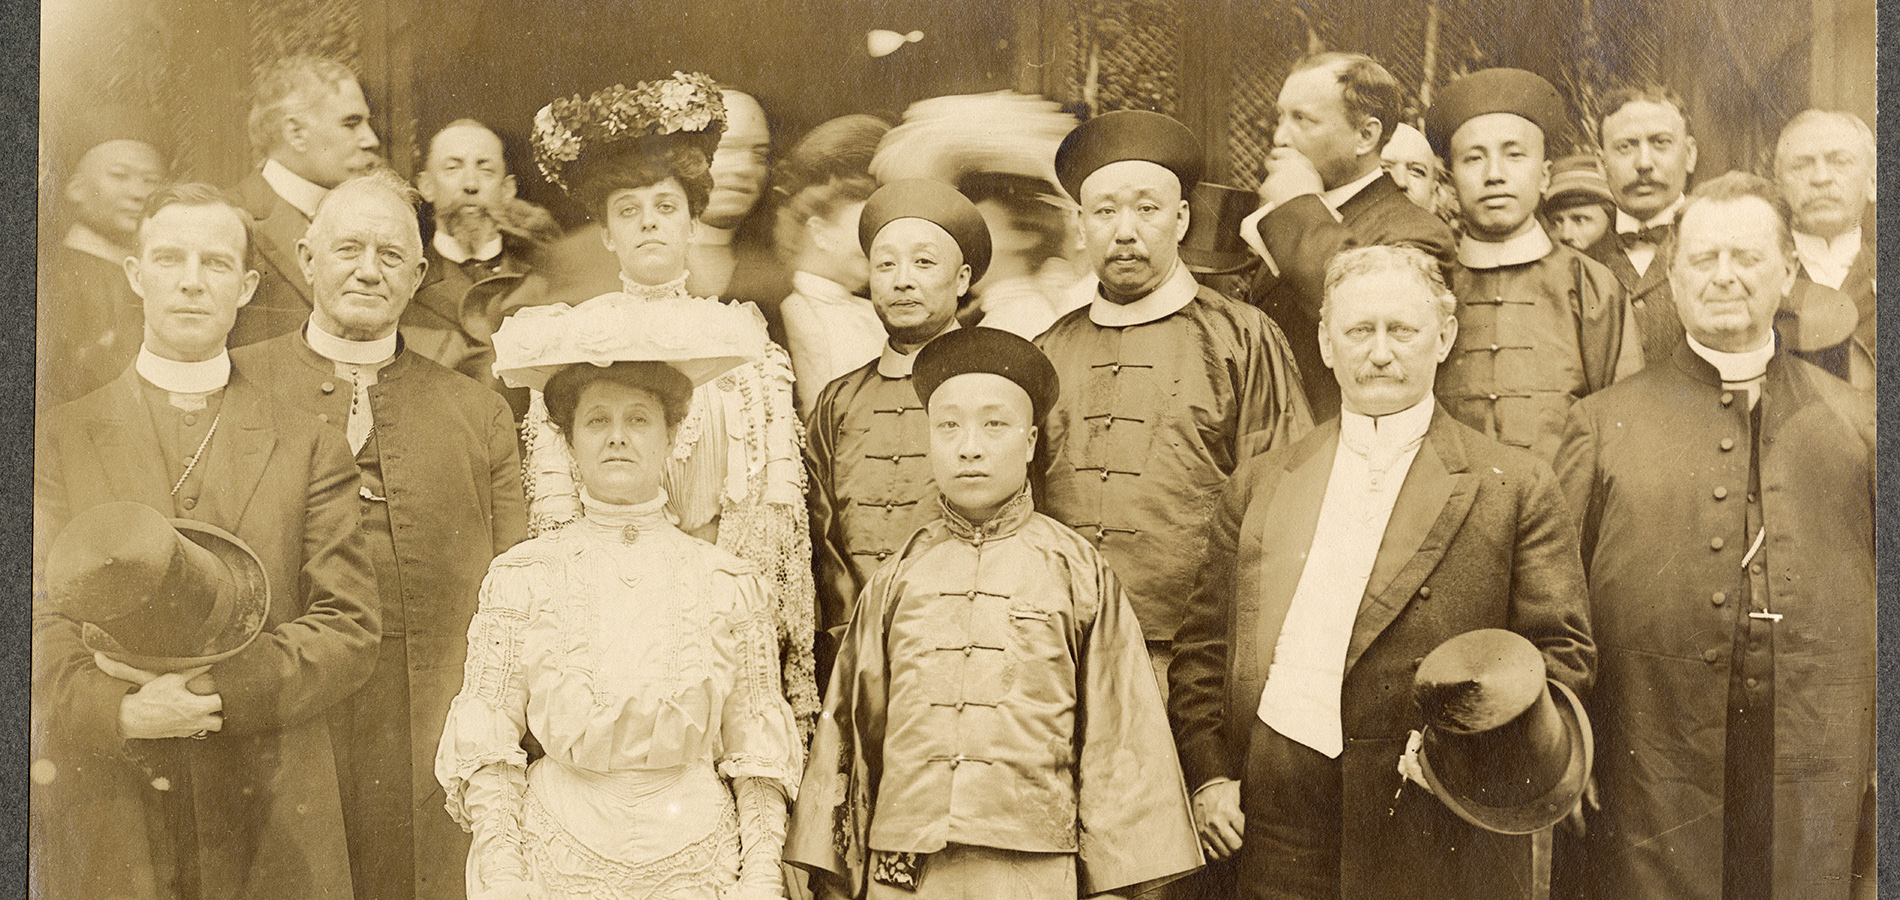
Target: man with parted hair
440	497
1325	192
1725	497
1824	163
309	123
213	783
1335	563
1648	156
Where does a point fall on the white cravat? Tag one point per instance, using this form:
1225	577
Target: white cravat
1742	371
451	249
1827	261
359	361
1301	697
1641	256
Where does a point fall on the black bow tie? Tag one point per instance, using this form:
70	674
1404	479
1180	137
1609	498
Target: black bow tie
485	266
1654	235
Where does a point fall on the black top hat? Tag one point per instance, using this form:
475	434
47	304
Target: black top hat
157	594
1499	751
1212	245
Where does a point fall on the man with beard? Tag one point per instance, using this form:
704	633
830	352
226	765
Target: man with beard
1824	163
310	123
440	496
478	257
90	321
1324	192
1648	155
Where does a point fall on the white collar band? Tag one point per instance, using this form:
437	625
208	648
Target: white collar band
348	352
201	377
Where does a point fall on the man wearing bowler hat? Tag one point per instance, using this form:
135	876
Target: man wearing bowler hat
867	438
1336	563
993	728
1169	385
150	784
1539	324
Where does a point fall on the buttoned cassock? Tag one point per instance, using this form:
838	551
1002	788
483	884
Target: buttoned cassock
281	302
1533	336
263	790
992	690
1658	470
1480	537
1152	419
443	453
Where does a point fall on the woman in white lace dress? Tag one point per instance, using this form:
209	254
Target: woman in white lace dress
642	659
638	159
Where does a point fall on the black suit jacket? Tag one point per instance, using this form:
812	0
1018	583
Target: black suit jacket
1303	237
1649	294
282	301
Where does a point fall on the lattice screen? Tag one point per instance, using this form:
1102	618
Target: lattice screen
1132	47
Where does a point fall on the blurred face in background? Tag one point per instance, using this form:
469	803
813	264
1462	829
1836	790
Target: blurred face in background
332	137
739	165
1409	161
466	181
109	187
1313	120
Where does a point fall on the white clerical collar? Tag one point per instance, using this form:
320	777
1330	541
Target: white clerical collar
1368	434
184	377
1528	247
894	363
1627	224
451	249
1338	196
819	289
1736	368
346	351
92	243
1175	293
296	190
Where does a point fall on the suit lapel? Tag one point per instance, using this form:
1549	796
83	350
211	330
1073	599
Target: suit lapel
126	443
237	454
1286	533
276	238
1431	506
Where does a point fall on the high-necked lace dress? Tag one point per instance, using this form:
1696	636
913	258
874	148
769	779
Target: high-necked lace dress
738	456
643	660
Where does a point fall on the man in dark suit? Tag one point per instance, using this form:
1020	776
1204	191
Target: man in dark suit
1648	155
441	496
126	803
310	123
1325	192
1824	163
1334	565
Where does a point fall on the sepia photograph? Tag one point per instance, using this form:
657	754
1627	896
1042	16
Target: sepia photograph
902	450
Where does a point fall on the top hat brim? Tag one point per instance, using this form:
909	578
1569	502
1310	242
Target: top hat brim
1212	262
1546	810
250	603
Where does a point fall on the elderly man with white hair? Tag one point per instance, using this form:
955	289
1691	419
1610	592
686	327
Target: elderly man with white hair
1824	164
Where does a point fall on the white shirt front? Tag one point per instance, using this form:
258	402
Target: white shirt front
451	249
829	331
1301	697
1827	261
296	190
1642	255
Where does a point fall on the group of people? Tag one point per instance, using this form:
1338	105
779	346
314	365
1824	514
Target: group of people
1454	559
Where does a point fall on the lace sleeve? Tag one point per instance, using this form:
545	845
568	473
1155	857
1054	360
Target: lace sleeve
757	736
547	472
480	763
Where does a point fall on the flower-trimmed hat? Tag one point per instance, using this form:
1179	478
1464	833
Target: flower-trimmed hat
688	105
702	338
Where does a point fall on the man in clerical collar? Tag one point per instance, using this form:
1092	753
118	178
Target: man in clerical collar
310	123
1335	563
440	497
479	254
1325	192
1726	498
1539	323
89	321
993	728
1172	385
866	436
1824	163
1648	155
232	764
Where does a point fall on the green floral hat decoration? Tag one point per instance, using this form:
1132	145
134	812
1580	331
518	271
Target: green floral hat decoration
686	104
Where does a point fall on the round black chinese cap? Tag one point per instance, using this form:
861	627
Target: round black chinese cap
990	350
932	201
1128	134
1513	91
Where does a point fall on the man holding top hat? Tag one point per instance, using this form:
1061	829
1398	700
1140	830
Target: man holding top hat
867	439
1539	324
1335	564
157	777
992	728
1170	385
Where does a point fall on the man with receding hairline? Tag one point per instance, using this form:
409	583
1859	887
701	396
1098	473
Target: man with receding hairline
1824	163
440	497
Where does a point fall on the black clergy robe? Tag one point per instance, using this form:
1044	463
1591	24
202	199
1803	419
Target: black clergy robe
1153	416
